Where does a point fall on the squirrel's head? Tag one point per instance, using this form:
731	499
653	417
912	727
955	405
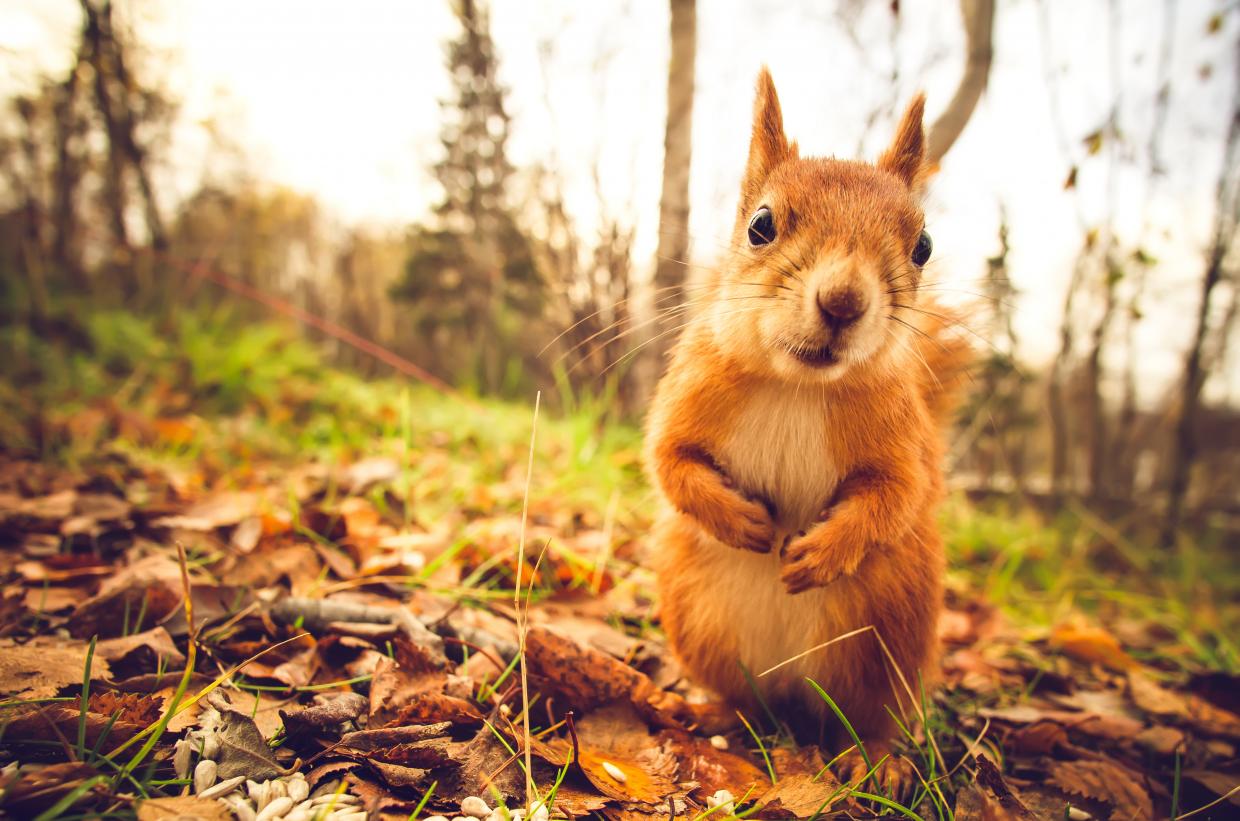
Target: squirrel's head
825	254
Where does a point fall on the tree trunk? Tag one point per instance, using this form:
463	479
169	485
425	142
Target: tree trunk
66	175
979	18
1196	368
114	179
673	247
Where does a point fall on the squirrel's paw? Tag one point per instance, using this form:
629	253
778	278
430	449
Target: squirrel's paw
895	776
748	526
816	559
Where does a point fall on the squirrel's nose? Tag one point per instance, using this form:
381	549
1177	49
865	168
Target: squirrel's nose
841	308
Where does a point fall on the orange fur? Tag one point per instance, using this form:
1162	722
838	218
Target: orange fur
800	460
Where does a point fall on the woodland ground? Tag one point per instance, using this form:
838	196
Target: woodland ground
351	547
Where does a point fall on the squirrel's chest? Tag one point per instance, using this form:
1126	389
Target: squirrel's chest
777	445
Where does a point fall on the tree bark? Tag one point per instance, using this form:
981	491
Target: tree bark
1196	370
673	248
979	18
114	179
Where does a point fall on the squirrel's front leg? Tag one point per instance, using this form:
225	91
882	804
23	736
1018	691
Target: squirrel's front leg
872	506
697	486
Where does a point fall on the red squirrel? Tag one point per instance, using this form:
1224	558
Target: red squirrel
796	440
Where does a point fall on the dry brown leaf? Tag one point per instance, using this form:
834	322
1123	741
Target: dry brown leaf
220	510
136	597
1092	645
54	724
615	739
328	712
1187	707
801	796
1161	740
410	690
586	678
243	750
711	768
141	652
1001	802
1103	781
183	808
40	667
36	788
132	708
1039	738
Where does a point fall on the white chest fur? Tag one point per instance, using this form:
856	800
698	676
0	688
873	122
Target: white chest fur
778	447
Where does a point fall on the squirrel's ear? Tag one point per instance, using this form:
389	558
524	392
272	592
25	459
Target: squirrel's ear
906	157
768	146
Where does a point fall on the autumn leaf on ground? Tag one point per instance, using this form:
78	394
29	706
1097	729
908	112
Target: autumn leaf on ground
1105	782
617	753
1092	645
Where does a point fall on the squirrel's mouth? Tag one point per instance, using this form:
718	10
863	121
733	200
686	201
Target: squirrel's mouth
816	357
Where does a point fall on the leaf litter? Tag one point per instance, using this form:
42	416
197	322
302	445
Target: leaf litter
397	688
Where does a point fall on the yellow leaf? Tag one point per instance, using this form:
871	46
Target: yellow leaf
1092	645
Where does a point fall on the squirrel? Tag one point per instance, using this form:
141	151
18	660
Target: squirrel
795	439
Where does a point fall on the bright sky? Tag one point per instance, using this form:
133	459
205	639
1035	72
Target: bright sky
340	100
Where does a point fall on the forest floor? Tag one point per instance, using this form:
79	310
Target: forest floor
236	583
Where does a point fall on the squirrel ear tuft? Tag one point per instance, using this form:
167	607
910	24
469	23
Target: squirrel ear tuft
906	157
768	146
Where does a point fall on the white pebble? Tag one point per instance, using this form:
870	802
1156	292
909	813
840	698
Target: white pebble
223	788
475	807
539	812
326	788
205	774
615	772
298	789
277	788
724	800
718	742
1078	814
298	815
435	818
276	809
348	815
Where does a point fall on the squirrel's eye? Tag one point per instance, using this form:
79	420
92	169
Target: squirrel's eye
921	251
761	227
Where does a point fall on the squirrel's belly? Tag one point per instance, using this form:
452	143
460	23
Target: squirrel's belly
743	601
778	447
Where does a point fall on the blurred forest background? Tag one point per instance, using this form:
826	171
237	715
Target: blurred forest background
1105	322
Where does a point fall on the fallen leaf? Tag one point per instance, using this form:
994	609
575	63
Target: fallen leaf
328	712
1102	781
40	667
587	678
243	751
34	788
141	652
711	768
1005	804
137	596
1092	645
616	752
410	690
801	796
183	808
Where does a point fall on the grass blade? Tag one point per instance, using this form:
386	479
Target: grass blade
835	708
